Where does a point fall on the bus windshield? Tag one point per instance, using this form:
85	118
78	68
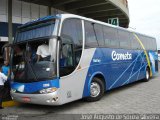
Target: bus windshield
27	67
33	55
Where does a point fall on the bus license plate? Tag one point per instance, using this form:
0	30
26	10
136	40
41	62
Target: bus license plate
26	99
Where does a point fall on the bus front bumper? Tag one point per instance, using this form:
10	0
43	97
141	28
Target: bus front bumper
42	99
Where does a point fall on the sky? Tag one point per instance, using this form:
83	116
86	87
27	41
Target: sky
145	17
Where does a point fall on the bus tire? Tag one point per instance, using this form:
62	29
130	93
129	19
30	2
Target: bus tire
147	75
96	90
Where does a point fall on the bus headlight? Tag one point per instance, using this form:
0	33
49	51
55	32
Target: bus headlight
47	90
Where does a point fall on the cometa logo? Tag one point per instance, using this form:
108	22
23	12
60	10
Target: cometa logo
121	56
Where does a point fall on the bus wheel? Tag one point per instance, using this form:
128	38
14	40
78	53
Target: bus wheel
96	90
147	76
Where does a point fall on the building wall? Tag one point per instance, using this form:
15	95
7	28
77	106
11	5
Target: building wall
22	12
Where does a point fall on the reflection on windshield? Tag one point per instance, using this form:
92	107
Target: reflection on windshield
32	62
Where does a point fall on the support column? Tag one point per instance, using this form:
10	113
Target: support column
10	31
49	10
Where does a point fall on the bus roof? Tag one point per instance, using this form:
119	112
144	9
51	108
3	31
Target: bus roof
39	20
102	23
64	16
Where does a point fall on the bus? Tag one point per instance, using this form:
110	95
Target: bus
158	54
85	58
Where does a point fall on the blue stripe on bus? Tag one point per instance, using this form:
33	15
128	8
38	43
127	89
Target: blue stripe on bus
117	73
35	86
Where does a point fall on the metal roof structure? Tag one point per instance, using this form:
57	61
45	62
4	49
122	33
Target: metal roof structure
96	9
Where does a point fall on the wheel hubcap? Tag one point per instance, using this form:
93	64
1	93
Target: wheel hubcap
147	74
94	89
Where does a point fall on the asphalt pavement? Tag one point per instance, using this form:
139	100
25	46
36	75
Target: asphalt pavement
136	98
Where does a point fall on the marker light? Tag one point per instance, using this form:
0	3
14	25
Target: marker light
13	90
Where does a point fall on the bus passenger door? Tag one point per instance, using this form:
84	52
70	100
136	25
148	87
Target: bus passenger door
72	77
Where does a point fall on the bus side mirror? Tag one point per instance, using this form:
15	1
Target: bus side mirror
59	38
6	51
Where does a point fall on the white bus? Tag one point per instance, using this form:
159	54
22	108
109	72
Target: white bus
86	58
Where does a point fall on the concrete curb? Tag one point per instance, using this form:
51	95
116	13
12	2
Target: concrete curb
10	104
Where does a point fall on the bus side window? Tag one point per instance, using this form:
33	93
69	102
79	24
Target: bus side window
90	35
124	39
111	37
134	43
